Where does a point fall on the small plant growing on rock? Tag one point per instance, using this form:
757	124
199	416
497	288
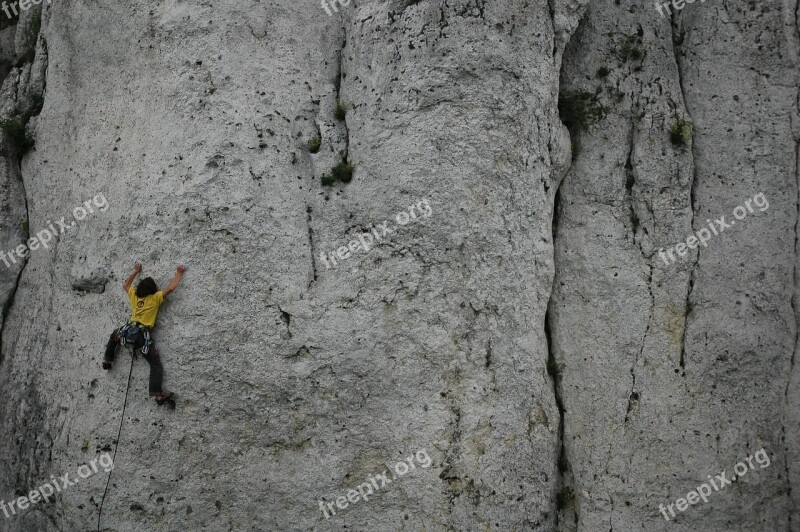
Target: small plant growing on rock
340	110
35	27
630	49
37	101
680	133
554	369
635	54
327	180
343	171
564	497
579	110
603	71
18	140
314	144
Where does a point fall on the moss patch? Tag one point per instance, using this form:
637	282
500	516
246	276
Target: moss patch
18	140
340	110
680	133
579	110
314	144
343	171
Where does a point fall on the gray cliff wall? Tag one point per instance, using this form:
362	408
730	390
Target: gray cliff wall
521	329
678	371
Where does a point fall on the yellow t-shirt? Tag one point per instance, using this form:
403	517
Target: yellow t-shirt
145	309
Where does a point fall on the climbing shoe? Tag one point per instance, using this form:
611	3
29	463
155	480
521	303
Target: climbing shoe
106	364
166	399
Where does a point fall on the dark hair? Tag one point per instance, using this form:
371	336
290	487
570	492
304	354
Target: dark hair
146	287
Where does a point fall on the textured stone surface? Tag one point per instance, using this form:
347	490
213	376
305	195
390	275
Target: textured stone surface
675	372
295	381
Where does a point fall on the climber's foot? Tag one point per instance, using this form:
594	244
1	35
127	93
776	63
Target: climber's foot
166	399
106	364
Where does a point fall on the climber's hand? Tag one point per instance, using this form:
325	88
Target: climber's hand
129	281
173	284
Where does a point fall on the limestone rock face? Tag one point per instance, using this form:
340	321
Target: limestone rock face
485	300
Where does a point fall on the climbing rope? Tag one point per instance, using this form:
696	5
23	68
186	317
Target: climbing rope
116	446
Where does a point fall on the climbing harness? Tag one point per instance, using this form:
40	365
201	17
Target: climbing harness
131	332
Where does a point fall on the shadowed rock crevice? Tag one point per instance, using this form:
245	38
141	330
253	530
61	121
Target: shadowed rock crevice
563	505
791	395
340	102
26	90
679	53
634	202
311	245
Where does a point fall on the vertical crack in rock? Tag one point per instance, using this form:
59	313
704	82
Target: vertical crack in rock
26	108
633	396
25	455
452	457
339	77
796	312
796	25
630	183
677	42
312	246
796	250
552	8
562	483
793	36
9	302
562	463
286	318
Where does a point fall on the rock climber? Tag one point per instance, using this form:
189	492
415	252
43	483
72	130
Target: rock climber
145	300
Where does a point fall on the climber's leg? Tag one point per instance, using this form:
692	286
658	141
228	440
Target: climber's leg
111	349
156	371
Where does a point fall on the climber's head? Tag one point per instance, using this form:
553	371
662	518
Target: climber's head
146	287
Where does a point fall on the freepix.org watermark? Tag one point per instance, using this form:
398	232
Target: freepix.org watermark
704	490
56	485
367	239
718	226
46	235
24	5
327	5
365	489
677	4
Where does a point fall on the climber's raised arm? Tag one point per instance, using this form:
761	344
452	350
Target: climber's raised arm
173	284
129	281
